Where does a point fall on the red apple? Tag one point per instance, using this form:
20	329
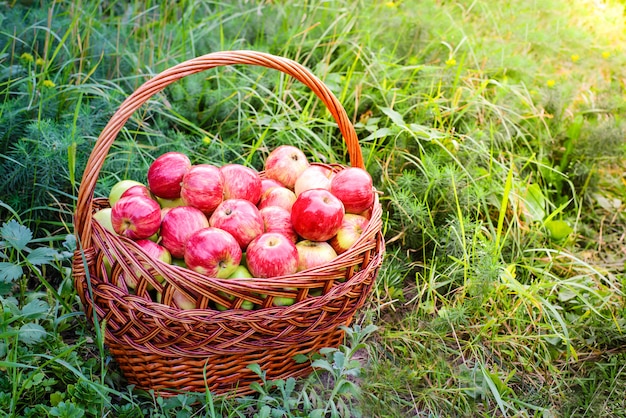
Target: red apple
285	164
203	187
241	218
241	182
166	173
267	184
272	254
177	226
137	190
277	219
277	196
316	215
136	217
154	251
313	177
183	301
314	253
351	229
120	187
212	252
103	216
180	299
240	272
353	186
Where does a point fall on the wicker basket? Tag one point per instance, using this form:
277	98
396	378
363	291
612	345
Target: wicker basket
170	350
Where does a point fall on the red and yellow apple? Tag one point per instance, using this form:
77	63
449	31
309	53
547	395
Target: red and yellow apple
240	217
285	163
178	225
349	232
136	217
165	174
353	186
241	182
314	254
203	187
212	252
272	254
317	215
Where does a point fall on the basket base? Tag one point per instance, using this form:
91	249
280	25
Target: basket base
221	374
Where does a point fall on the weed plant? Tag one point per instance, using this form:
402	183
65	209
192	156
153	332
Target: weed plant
494	132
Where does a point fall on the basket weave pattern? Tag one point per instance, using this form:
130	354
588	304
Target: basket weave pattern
159	346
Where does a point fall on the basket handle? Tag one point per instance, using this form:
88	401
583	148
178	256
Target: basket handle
82	218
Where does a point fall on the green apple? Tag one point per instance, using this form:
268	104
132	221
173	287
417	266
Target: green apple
180	262
170	203
107	265
103	216
316	292
282	301
240	272
119	188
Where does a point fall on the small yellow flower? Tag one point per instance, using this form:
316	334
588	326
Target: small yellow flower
391	4
606	54
450	62
48	84
40	62
575	57
550	83
26	57
206	140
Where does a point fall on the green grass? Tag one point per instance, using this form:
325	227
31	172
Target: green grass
495	133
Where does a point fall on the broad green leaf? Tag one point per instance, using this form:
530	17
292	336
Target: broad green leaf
70	243
66	410
42	255
317	413
265	412
322	364
56	398
395	117
9	272
290	385
535	203
35	380
379	133
35	309
31	333
17	235
339	358
300	358
255	368
6	288
558	229
566	294
278	413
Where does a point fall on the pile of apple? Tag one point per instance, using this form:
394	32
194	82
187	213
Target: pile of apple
229	221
